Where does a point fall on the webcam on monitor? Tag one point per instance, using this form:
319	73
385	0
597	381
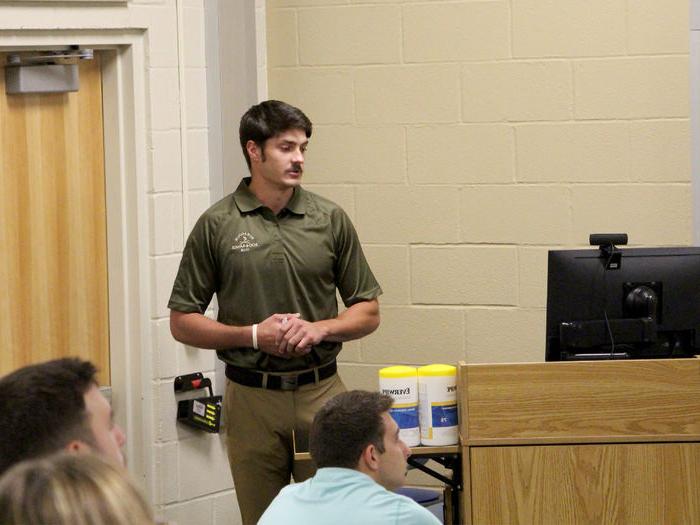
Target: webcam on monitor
607	239
608	242
622	303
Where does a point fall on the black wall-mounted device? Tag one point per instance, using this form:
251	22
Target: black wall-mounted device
203	413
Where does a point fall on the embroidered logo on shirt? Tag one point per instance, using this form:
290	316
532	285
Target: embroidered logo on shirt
244	242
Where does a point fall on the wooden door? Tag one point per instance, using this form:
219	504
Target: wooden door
53	246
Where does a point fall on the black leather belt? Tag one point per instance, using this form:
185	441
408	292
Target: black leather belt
280	381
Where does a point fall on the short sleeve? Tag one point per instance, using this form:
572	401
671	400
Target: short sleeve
354	278
196	279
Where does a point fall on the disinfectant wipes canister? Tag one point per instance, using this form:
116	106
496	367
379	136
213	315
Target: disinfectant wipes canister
401	383
437	394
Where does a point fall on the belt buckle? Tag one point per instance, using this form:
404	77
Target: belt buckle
289	382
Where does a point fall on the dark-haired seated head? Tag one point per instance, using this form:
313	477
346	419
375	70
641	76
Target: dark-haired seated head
53	406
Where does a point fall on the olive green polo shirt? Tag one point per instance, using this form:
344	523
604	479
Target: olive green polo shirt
258	264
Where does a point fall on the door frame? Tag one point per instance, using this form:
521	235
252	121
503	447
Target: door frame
124	85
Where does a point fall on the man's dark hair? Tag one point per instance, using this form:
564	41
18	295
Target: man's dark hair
346	425
267	119
42	409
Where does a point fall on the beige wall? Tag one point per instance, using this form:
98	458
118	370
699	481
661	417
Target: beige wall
465	138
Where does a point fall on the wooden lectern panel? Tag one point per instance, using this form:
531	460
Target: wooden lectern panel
647	483
582	402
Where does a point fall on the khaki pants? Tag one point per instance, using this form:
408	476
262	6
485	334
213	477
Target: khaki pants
259	424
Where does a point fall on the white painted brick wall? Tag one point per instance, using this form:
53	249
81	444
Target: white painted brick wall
166	167
166	223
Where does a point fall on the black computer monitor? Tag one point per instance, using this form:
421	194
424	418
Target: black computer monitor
649	307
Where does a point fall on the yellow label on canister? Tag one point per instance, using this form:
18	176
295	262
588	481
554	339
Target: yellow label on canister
437	370
397	371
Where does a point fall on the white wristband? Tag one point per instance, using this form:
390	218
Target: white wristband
255	336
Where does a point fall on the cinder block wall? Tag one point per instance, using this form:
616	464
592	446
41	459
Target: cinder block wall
466	138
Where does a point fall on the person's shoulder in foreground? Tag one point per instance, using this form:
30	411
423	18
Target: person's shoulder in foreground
355	443
342	497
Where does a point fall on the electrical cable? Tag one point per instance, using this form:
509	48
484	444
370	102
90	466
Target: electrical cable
605	305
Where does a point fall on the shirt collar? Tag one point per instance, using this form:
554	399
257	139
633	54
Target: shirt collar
333	474
247	202
297	204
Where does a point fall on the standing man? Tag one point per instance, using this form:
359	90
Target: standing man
274	254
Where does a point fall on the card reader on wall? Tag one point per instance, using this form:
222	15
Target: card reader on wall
203	413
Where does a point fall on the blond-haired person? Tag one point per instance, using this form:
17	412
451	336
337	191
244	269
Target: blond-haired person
70	489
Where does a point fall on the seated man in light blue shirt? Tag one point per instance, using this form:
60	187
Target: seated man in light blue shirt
360	459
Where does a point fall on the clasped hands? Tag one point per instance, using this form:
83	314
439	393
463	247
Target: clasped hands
287	335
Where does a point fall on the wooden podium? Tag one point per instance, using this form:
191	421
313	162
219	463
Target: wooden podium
594	442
